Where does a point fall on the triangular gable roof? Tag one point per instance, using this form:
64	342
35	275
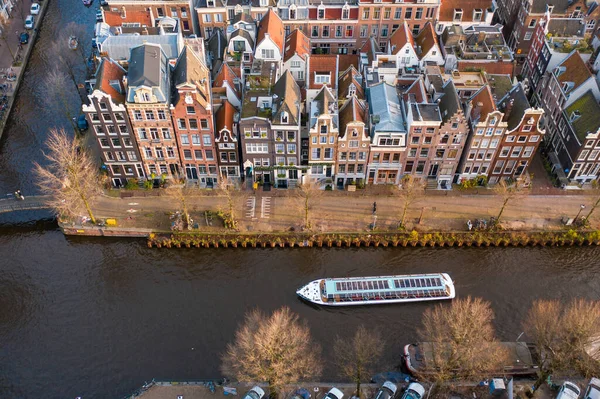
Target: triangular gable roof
417	91
482	103
191	70
271	24
226	74
288	97
401	37
323	63
575	72
449	102
426	39
243	33
224	117
353	110
346	79
296	43
110	71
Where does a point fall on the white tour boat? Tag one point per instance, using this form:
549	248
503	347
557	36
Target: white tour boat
376	290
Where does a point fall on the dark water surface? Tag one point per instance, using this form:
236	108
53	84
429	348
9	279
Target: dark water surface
96	318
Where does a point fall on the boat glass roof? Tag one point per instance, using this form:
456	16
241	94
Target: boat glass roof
377	284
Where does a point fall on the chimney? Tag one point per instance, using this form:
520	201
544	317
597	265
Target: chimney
125	82
123	12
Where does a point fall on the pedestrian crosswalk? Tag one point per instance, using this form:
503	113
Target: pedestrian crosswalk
265	208
250	207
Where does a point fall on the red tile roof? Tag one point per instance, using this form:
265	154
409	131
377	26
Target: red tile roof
426	39
322	64
225	117
110	72
333	14
417	89
576	70
400	38
226	74
492	67
296	43
483	103
346	79
347	60
271	24
447	8
114	18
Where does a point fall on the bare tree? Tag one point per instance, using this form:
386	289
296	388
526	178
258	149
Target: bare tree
308	193
596	191
356	357
566	336
463	341
70	176
277	349
55	82
231	190
4	32
508	192
410	190
180	193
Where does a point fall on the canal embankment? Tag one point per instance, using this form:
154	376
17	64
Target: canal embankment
18	65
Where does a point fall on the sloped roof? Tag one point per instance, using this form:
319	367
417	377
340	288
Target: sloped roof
110	71
296	43
426	39
588	120
400	37
519	105
323	63
353	110
215	49
385	103
416	90
566	27
347	60
324	102
483	103
119	47
226	74
576	70
349	76
449	102
190	69
243	17
271	24
243	33
288	98
149	66
224	117
560	6
447	8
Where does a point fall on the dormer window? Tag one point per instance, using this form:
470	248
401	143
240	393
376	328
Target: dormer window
492	121
550	9
477	15
321	12
293	11
458	14
346	11
567	86
351	90
264	3
574	116
354	133
322	78
210	3
284	117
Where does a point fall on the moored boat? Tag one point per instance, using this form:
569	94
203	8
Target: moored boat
379	289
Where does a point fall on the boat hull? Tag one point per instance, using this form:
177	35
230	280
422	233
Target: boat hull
312	292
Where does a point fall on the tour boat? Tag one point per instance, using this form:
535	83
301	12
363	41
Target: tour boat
377	290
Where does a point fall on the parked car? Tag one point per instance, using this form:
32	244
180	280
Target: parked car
82	125
334	393
593	389
24	38
568	390
29	22
35	9
387	391
255	393
414	391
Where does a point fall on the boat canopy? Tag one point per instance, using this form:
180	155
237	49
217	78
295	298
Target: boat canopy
377	284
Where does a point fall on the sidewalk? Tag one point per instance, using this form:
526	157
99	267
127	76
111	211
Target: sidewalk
332	213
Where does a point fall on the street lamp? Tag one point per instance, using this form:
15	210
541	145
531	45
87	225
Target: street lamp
581	208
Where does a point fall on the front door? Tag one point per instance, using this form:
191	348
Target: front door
328	171
340	183
433	170
267	178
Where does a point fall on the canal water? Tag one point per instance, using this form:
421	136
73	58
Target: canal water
96	318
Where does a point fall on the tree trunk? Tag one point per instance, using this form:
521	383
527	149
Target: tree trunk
502	210
89	209
404	213
593	209
306	212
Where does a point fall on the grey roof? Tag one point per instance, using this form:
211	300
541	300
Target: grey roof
519	105
426	112
215	50
244	17
243	33
560	6
324	102
437	82
148	66
118	47
566	27
287	97
449	103
385	103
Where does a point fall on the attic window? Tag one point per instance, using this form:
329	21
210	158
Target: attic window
550	8
575	115
346	11
321	78
477	14
293	11
210	3
458	14
321	12
351	90
284	117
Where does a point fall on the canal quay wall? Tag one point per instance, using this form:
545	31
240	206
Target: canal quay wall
20	71
344	239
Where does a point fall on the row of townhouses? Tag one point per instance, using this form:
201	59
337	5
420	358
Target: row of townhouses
365	93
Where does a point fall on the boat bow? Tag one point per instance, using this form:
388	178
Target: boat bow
311	292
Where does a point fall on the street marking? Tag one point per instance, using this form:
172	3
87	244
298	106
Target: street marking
265	208
133	203
251	204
